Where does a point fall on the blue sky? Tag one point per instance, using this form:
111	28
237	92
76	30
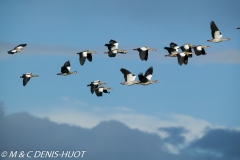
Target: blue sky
205	92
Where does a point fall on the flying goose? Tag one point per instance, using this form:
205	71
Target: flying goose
65	69
19	48
143	52
187	49
85	54
238	28
113	48
172	50
102	89
182	58
216	34
26	77
95	85
128	77
146	79
199	50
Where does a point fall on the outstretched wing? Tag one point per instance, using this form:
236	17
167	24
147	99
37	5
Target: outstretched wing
142	78
215	31
25	80
82	58
148	73
89	57
125	73
66	67
143	55
98	93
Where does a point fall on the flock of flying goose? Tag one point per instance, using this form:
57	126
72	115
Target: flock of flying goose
129	78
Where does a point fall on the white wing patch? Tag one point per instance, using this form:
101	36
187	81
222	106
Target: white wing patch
149	77
143	48
84	54
133	78
116	45
129	77
68	68
114	51
182	54
199	48
217	35
186	46
100	89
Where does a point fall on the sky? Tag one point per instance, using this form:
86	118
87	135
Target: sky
190	103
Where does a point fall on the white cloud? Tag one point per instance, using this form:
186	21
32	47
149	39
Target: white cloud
84	115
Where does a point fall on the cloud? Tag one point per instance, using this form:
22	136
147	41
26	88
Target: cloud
81	114
113	140
224	142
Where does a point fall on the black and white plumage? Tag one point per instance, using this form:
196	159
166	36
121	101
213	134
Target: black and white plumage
146	78
128	77
216	34
85	54
19	48
101	89
187	49
172	50
199	50
26	77
65	69
143	52
182	58
113	48
95	85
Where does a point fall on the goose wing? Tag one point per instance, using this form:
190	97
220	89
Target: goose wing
125	73
111	54
21	45
82	57
141	78
215	31
148	73
185	60
114	43
181	57
25	80
143	55
173	45
93	88
66	67
98	93
89	57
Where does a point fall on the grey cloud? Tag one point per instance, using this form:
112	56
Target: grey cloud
108	140
175	134
224	142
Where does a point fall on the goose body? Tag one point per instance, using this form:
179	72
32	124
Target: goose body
199	50
94	85
128	77
85	54
26	77
187	49
18	48
146	79
100	90
65	69
238	28
216	34
143	52
113	48
172	50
